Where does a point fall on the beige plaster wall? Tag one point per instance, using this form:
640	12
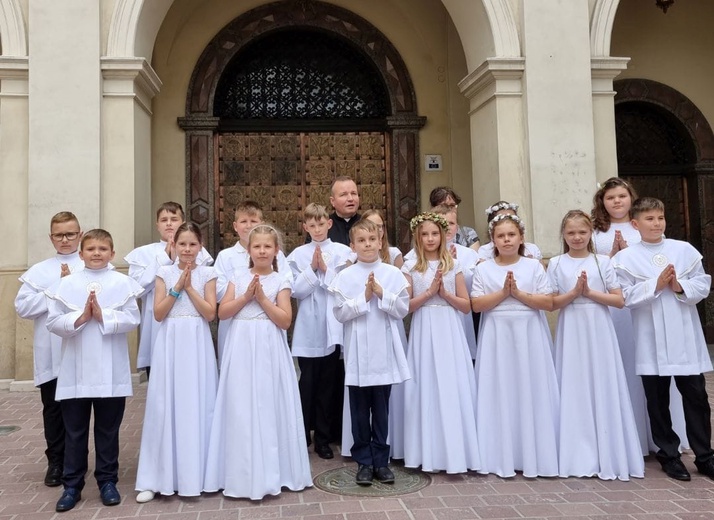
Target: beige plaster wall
421	31
676	48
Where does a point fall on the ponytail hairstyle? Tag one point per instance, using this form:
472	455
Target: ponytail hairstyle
576	214
265	229
600	216
189	226
446	262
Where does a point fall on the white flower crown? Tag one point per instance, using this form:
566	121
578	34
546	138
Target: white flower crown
501	206
500	218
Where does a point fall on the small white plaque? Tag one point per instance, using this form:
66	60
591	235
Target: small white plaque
433	163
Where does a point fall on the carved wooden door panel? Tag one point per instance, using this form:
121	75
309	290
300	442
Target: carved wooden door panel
284	172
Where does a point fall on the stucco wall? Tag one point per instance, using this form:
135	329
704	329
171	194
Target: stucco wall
676	48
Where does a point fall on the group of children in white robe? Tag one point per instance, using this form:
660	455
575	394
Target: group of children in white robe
525	405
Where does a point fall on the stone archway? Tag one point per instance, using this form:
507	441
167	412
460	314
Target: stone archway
692	157
200	125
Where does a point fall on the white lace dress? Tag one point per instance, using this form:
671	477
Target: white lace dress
257	441
440	421
181	395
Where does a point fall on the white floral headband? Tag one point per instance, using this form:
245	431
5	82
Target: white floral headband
428	215
500	218
501	206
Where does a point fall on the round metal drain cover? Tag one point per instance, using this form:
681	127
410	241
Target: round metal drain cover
341	481
7	430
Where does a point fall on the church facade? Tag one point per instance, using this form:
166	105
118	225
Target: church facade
110	107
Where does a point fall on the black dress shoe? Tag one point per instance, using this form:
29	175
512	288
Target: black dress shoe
706	467
365	474
109	494
384	474
675	468
53	477
324	451
68	500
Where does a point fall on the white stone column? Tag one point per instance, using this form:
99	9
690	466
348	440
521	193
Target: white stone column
64	117
498	155
604	71
129	85
559	114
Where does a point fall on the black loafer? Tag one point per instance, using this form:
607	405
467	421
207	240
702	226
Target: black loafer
384	475
324	451
53	477
365	474
68	500
675	468
109	494
706	468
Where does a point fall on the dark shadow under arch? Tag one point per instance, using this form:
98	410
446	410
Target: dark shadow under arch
200	125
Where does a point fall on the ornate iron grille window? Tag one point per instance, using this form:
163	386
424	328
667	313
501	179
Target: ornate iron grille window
301	74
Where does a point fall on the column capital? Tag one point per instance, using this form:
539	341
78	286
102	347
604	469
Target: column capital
14	67
495	77
604	70
130	77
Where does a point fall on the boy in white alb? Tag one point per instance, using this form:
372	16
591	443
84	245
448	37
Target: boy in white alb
31	304
144	262
371	297
92	310
662	281
247	215
314	266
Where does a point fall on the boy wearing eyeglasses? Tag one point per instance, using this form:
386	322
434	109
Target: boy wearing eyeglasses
31	304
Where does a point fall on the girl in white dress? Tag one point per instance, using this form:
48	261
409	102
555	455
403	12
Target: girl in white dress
257	441
517	398
614	232
440	421
598	434
393	256
184	377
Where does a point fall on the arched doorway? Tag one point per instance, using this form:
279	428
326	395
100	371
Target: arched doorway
665	147
285	98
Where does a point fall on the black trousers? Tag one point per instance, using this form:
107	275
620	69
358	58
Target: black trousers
108	414
318	393
53	424
370	436
338	390
697	415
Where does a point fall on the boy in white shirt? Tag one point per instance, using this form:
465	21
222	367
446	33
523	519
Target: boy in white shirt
371	297
92	310
662	281
31	304
144	262
314	266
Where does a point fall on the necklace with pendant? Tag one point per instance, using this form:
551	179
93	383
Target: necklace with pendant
658	259
92	285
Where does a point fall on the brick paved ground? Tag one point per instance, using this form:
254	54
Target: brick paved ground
449	497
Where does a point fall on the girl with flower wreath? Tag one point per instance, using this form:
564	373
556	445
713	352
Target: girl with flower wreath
487	251
517	397
440	421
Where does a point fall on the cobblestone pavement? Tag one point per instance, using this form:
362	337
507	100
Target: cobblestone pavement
448	497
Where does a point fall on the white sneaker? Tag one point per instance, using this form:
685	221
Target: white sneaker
145	496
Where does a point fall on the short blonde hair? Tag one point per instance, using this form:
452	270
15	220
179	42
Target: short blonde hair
249	207
315	211
363	225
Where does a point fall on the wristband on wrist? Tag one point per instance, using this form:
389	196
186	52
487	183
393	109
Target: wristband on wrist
173	293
